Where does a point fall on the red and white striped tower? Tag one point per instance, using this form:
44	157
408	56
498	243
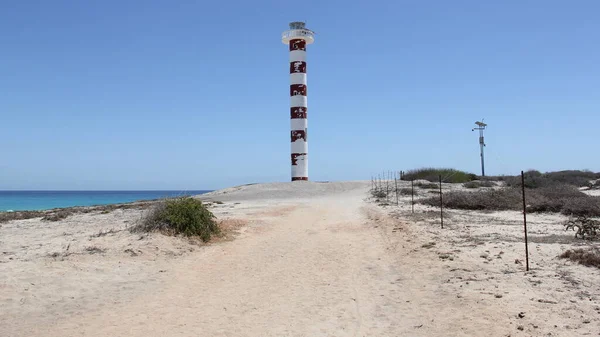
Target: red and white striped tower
297	38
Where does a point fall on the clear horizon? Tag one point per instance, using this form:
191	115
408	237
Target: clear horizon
118	96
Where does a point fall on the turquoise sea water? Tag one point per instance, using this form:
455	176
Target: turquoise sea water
40	200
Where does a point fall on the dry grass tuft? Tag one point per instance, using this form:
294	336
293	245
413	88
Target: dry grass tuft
584	228
587	257
102	233
379	194
428	186
58	215
95	250
405	191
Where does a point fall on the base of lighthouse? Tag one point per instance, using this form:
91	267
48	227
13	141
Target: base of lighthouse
299	166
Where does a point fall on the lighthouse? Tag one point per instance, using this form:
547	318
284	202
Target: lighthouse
297	37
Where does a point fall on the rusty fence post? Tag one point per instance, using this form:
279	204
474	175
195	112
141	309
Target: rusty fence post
396	182
412	195
441	204
525	221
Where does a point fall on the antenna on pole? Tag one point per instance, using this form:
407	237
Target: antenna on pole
481	126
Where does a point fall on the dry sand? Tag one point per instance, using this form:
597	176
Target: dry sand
308	259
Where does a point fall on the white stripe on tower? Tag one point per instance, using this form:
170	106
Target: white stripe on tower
297	38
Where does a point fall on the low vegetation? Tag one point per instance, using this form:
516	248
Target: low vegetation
479	184
185	215
584	228
20	215
102	233
432	174
504	199
536	179
58	215
62	213
573	177
406	191
95	250
428	186
379	193
564	199
587	257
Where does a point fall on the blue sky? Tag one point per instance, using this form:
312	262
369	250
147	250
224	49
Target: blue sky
194	94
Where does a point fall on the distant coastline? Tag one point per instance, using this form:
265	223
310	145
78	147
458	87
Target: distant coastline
14	201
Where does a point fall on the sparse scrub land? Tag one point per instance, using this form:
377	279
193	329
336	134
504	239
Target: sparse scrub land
587	257
63	213
20	215
185	215
557	192
504	199
564	199
433	174
573	177
536	179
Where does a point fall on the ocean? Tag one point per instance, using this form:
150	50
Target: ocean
41	200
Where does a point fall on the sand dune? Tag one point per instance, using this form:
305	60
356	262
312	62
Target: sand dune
311	259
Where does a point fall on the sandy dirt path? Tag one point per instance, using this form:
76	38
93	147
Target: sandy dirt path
310	269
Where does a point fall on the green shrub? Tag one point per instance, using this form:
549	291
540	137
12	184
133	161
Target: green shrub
433	174
184	215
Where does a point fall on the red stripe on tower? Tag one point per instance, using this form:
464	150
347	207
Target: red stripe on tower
298	112
297	44
298	67
297	89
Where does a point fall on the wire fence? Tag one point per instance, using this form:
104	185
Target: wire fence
384	187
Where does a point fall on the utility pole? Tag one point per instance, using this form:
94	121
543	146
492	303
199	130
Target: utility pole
481	126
